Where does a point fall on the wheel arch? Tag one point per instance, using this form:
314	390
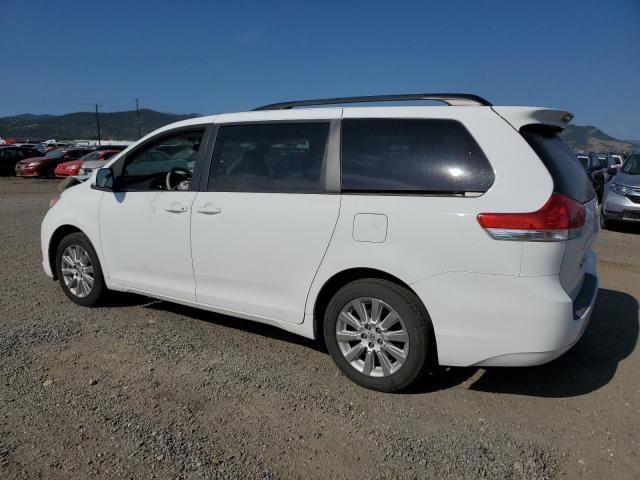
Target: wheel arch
342	278
57	236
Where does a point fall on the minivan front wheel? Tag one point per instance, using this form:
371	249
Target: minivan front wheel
79	271
378	334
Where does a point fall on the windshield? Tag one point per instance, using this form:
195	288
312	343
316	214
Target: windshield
55	154
90	156
632	165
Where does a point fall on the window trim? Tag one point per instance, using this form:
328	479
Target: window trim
119	164
419	193
330	173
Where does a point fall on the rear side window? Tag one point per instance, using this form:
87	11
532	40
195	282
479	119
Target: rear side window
412	156
270	157
569	176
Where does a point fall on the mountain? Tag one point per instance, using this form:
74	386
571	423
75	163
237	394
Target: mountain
82	125
123	126
591	139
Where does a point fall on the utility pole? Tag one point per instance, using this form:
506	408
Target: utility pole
138	116
98	123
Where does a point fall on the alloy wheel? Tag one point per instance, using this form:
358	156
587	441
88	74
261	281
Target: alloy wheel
77	271
372	337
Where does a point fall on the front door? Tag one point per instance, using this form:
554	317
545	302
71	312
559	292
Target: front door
144	225
260	231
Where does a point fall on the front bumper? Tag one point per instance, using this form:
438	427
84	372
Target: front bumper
27	172
620	207
500	320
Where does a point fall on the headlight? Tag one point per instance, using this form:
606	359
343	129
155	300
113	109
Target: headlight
33	164
620	189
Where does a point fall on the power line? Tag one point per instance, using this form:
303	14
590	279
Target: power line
98	122
138	117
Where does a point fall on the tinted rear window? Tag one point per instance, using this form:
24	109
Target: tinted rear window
422	156
569	176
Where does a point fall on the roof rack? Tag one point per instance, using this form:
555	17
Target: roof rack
465	99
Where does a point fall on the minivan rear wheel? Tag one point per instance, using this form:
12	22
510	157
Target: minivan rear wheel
78	270
378	334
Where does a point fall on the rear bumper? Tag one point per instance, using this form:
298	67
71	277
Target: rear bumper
498	320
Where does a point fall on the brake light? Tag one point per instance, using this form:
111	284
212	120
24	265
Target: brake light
561	218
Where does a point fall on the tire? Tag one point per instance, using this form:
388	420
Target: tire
606	223
72	247
362	359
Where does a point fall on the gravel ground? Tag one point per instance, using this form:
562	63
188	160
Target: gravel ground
147	389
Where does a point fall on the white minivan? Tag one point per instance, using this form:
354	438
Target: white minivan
402	236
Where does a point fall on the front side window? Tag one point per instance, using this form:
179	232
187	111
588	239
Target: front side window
165	164
412	156
270	157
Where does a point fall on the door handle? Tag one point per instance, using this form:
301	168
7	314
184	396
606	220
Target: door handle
176	208
209	210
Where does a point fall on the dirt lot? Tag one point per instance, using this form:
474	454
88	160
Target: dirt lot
147	389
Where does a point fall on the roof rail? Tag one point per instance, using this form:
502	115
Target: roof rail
465	99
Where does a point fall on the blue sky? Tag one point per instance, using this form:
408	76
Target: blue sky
207	57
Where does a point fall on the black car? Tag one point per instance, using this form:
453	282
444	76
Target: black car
12	154
112	147
596	171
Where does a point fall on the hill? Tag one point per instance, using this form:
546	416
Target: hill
115	125
591	139
123	126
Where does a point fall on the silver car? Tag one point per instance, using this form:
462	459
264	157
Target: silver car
621	200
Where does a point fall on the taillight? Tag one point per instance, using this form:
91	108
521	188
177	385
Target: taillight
561	218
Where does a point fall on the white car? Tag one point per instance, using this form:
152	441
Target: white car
402	236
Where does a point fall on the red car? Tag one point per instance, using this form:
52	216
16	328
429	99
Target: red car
45	166
72	167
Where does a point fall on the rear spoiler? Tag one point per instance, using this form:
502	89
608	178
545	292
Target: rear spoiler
518	117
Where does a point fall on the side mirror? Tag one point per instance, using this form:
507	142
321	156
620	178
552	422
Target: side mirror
612	171
104	180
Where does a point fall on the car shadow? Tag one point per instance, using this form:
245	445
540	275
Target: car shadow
255	328
122	299
591	364
610	337
624	227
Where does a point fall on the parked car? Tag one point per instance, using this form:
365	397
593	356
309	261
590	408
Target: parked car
615	161
622	195
11	154
88	167
74	167
593	168
112	147
45	166
402	237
